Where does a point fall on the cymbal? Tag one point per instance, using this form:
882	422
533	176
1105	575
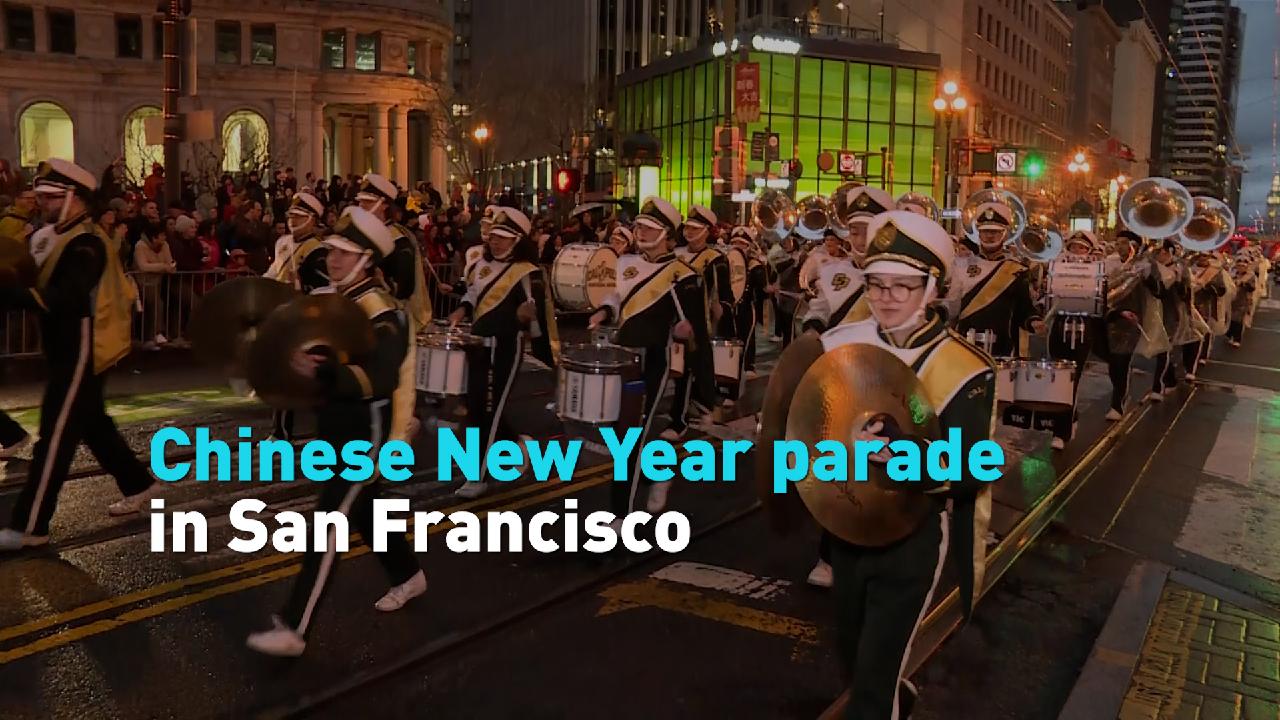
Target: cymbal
840	393
17	267
328	324
225	322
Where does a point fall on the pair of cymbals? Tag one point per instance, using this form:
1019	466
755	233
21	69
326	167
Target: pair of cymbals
253	328
839	394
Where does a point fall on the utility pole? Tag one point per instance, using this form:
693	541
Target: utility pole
173	11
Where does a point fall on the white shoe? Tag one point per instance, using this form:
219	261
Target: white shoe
1058	443
1154	397
471	490
161	339
1113	415
15	448
658	496
1171	390
616	526
751	375
280	641
397	596
11	540
821	575
671	434
1233	343
1190	377
775	338
135	503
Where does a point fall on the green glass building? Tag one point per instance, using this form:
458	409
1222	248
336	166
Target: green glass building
834	95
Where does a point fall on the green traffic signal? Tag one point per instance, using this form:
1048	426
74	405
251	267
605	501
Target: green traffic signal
1033	167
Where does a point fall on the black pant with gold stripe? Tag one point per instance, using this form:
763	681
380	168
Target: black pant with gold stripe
491	372
654	364
882	595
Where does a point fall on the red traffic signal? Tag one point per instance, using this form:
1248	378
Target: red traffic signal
568	180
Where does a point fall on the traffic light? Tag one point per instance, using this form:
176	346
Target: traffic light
1033	166
568	180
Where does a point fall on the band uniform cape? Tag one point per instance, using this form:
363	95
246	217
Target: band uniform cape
497	289
992	294
838	288
959	380
651	297
300	263
112	298
713	267
403	273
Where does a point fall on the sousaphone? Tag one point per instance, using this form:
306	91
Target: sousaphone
1156	207
774	215
969	214
1211	226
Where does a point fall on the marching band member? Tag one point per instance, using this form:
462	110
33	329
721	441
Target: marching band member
1246	281
1064	342
1209	287
356	405
836	287
784	287
833	248
622	240
84	302
299	261
402	271
882	593
1123	319
507	299
473	254
742	239
995	293
1172	285
657	302
15	227
863	204
713	268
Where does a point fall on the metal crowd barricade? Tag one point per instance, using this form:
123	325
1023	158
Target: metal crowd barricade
165	302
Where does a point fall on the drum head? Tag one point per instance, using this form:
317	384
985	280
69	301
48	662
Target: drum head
601	275
737	272
597	358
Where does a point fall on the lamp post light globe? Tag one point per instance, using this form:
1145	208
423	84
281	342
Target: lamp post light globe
481	133
939	104
959	104
950	87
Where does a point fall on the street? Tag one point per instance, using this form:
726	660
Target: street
727	628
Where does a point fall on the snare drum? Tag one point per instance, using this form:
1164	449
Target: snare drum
590	382
583	275
985	339
727	357
1077	288
1006	378
1045	382
442	362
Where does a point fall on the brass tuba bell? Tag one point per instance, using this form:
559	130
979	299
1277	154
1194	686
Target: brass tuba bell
1211	226
971	213
814	217
920	204
1041	240
1156	207
773	214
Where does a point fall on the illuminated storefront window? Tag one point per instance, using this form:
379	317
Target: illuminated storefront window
45	131
138	155
813	104
245	142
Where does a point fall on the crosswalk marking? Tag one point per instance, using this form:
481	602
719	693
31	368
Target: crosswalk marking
713	577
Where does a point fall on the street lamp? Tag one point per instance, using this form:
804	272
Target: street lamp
950	104
481	134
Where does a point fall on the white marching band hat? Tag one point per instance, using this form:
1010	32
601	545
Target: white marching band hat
377	187
359	231
58	177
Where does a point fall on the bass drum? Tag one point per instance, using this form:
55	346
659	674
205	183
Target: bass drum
583	275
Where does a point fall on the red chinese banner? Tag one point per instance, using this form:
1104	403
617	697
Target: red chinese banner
746	92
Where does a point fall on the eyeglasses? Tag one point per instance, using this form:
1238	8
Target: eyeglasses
897	293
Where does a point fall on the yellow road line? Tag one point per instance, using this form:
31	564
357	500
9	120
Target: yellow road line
229	571
655	593
98	627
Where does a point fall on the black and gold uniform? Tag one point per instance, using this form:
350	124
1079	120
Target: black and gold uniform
84	302
742	241
655	294
355	405
883	592
299	261
403	273
1073	338
784	283
711	266
993	291
506	300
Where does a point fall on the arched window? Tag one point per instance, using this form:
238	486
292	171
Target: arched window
138	155
45	131
245	142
